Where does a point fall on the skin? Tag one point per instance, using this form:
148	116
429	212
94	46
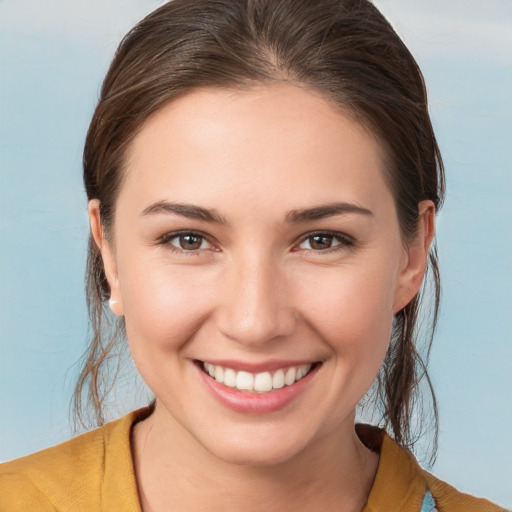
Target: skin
256	290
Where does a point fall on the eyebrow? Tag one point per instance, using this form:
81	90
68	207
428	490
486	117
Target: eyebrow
294	216
323	211
185	210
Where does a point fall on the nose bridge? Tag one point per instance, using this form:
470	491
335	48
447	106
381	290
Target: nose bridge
256	307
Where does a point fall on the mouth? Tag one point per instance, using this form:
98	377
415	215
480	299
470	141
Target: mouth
257	383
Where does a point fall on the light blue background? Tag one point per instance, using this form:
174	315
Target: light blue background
53	57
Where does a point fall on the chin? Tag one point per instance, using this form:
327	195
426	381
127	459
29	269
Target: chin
257	445
256	454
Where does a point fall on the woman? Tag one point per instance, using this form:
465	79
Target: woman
262	180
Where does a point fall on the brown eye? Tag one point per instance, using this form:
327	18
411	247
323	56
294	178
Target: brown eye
320	242
186	241
324	241
190	242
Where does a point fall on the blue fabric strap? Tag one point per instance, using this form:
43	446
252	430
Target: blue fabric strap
428	505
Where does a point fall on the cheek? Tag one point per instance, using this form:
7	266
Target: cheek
163	305
352	305
352	311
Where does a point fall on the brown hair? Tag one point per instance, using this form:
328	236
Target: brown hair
344	49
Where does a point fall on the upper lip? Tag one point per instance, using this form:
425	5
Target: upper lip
257	367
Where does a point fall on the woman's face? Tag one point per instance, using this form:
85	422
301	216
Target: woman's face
255	238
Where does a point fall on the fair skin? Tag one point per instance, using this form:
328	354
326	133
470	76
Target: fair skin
255	232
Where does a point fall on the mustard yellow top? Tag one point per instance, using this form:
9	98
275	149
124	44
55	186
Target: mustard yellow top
94	472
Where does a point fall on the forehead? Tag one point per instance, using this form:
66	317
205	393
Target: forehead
279	141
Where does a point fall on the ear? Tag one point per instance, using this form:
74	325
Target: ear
417	252
107	255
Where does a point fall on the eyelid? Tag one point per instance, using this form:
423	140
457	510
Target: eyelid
345	240
165	240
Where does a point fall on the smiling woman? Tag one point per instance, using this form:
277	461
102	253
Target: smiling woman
263	180
255	279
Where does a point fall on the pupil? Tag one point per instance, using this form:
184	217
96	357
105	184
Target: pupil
190	242
321	242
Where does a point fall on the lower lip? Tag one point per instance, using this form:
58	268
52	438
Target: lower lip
256	403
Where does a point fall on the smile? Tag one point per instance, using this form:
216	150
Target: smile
263	382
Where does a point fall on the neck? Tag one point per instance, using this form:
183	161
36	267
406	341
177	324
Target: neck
171	467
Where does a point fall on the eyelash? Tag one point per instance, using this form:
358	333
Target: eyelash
169	237
343	240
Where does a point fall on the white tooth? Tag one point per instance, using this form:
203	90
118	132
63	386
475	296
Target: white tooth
278	379
211	370
219	374
230	378
244	381
302	371
263	382
289	378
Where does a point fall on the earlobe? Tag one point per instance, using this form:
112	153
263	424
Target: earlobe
107	255
411	276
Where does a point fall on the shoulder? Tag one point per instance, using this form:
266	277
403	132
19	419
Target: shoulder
53	476
402	485
69	476
449	499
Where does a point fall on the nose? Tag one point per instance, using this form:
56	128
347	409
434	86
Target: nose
256	306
